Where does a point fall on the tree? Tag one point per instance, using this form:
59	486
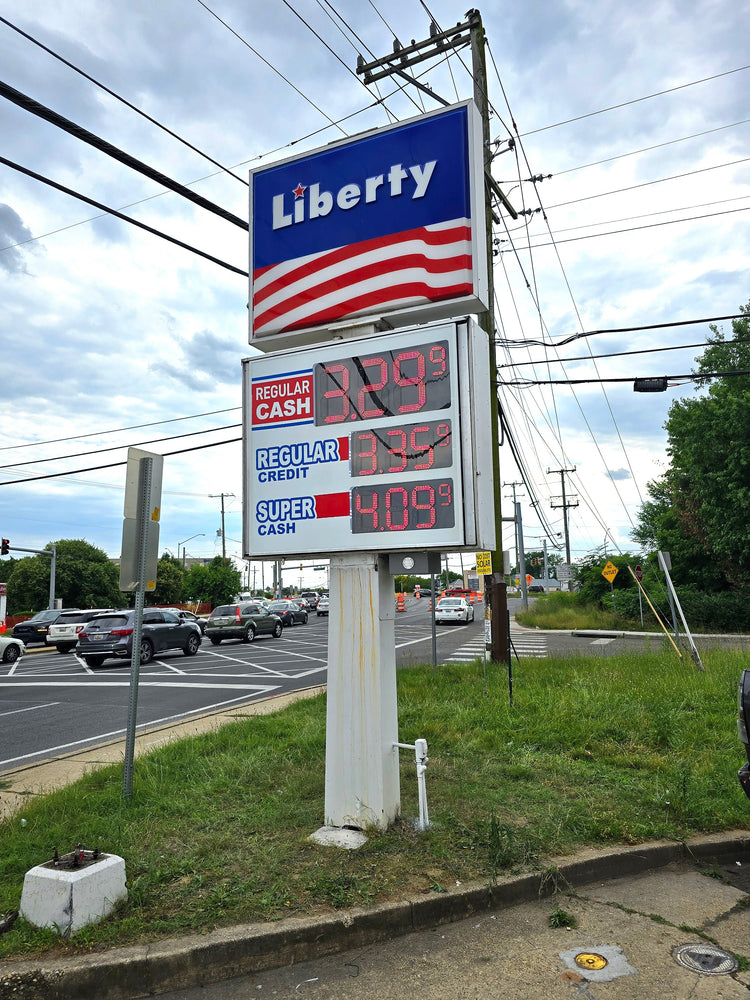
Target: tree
700	509
214	584
169	577
85	577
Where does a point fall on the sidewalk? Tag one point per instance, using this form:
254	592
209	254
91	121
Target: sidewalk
648	923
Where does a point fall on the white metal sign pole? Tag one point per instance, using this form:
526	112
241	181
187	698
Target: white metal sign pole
362	777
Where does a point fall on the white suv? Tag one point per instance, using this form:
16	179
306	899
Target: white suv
64	632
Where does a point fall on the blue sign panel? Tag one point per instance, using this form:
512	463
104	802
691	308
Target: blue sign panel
388	222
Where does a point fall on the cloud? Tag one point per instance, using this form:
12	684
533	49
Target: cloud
12	231
617	474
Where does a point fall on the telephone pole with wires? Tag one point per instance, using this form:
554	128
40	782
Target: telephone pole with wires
215	496
565	504
469	33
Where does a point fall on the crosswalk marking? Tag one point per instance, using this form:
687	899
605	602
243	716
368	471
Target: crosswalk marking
526	644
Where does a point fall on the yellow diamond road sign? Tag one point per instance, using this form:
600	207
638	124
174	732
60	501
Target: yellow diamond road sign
610	571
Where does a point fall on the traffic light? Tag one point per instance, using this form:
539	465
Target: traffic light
4	546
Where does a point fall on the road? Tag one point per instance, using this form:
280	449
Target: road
54	705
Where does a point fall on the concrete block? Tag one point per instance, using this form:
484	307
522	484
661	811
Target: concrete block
68	899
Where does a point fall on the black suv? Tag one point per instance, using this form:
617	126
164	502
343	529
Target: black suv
242	621
35	629
110	636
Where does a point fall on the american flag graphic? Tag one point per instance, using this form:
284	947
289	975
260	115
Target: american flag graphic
421	265
384	222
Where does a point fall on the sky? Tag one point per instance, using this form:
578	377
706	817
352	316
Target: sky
634	115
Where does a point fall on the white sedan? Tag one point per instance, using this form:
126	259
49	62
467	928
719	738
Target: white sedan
454	609
10	649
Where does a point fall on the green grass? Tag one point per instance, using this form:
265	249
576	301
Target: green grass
594	751
561	610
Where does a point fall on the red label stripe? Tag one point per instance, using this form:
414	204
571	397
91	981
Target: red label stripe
332	505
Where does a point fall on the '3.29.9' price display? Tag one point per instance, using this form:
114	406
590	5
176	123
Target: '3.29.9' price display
408	506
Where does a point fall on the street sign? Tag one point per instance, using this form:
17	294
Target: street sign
564	571
142	509
373	445
484	563
529	578
388	223
610	571
639	573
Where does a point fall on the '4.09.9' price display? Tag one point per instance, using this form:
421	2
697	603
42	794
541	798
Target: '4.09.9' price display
408	506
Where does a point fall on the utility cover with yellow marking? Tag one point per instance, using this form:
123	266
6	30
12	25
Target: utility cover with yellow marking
610	571
590	960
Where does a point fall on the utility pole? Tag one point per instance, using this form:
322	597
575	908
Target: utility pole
470	33
214	496
572	502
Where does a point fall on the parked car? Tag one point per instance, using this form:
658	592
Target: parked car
289	612
63	633
188	616
110	636
35	629
454	609
322	608
10	648
242	621
312	597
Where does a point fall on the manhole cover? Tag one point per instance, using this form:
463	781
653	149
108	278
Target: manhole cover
590	960
706	959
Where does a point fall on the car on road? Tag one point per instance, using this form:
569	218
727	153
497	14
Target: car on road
453	609
63	633
242	621
110	636
10	648
312	597
35	629
322	608
188	616
289	612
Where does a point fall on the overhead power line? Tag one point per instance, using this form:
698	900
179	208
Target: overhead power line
35	108
636	100
119	447
119	215
628	378
122	100
619	329
117	430
113	465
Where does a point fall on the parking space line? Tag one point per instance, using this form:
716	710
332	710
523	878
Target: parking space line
31	708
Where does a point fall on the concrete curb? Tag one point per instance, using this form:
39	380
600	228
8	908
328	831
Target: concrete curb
165	966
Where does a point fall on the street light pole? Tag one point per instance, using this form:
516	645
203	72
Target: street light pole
201	534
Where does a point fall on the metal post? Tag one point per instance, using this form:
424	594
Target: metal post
522	558
433	626
362	777
144	505
52	569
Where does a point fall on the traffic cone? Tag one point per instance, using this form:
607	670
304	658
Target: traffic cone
401	603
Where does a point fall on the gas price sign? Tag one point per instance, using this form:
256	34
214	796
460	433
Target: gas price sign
369	445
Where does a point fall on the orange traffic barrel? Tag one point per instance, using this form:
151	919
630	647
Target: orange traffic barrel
401	603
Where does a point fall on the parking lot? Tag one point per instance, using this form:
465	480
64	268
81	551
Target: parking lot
52	705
